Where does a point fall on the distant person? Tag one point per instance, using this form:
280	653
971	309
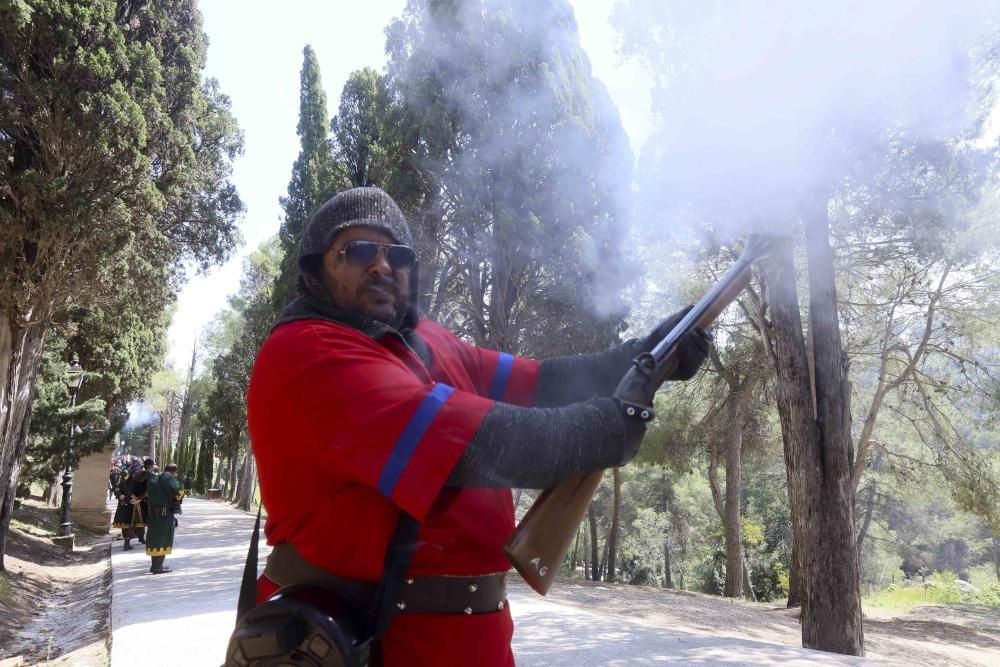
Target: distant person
124	513
361	410
140	479
165	495
113	478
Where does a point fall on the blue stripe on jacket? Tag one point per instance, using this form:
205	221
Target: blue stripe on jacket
500	377
410	437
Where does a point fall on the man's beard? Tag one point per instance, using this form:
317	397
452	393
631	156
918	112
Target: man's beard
400	304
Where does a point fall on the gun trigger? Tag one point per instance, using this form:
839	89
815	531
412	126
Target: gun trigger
645	363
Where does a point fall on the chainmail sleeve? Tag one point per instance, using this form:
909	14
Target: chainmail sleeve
536	448
565	380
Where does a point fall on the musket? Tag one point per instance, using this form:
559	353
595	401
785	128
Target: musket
541	540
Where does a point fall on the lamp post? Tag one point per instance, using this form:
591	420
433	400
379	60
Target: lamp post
73	381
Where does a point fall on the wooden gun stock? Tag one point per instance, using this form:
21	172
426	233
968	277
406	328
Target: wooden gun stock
540	542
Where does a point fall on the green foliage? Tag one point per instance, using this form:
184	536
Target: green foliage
314	176
782	575
943	588
367	139
115	158
49	451
144	148
989	595
237	335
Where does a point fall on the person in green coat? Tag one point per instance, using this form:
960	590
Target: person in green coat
164	493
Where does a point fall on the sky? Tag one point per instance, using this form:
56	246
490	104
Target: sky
255	51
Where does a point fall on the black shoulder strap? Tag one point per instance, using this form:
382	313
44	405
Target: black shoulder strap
397	561
248	586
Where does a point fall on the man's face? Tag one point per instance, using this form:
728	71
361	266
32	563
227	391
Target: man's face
375	290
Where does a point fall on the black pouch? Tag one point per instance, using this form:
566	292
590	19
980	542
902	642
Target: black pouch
311	626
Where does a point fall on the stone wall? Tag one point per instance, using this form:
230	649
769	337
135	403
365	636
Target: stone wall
90	491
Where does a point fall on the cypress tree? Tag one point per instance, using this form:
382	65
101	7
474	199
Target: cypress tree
191	458
115	162
525	169
314	175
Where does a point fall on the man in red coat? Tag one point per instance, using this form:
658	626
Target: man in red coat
359	409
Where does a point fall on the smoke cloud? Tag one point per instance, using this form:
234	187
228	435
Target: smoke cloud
762	102
139	415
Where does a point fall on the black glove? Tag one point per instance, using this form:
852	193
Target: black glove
691	349
634	396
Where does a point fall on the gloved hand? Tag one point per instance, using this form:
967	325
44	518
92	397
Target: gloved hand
634	396
691	350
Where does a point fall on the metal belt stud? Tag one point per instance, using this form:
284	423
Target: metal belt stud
500	605
401	605
468	610
473	588
409	580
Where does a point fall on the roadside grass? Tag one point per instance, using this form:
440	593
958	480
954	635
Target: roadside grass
35	529
900	599
5	589
940	588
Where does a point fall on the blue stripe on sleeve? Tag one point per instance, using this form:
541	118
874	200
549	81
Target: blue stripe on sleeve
500	377
410	438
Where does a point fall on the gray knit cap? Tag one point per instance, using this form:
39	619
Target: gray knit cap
357	207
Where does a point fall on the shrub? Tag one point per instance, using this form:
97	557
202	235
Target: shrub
989	595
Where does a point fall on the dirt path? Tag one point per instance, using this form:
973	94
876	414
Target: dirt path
932	635
57	607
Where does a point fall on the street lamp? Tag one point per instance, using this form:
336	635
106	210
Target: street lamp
74	379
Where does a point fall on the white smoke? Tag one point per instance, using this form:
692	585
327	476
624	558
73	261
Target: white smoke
139	415
768	100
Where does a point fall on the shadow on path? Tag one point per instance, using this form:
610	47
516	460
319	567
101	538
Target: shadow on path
183	617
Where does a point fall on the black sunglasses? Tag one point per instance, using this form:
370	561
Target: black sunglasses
360	254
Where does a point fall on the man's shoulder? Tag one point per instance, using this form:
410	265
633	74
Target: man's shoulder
432	331
305	337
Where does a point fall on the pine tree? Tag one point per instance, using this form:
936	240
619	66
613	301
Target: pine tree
314	175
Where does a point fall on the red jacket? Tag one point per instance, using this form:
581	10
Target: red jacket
347	430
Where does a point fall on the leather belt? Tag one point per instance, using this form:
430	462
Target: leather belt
444	594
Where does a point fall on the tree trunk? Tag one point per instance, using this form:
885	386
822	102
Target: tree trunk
576	547
602	572
748	592
231	479
615	527
866	522
817	445
794	578
218	472
20	358
667	578
594	558
731	517
248	481
187	405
